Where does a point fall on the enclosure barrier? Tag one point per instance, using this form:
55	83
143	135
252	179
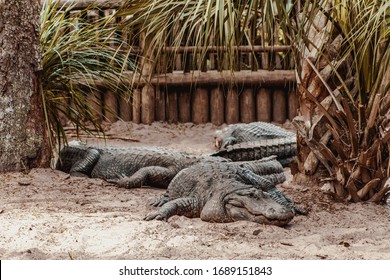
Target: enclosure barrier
201	95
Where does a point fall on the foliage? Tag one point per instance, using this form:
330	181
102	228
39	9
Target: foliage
348	61
202	24
341	52
76	53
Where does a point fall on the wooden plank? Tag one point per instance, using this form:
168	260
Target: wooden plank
279	78
226	77
264	105
243	49
83	4
247	105
232	105
279	109
184	100
217	108
200	106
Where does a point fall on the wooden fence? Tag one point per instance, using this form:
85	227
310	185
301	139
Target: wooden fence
203	95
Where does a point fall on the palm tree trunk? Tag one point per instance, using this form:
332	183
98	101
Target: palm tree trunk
23	141
343	136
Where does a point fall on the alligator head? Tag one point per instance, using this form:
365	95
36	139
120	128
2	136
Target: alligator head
245	203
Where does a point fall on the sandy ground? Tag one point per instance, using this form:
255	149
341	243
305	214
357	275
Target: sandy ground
47	214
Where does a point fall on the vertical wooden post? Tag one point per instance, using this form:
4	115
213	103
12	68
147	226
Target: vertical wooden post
200	106
125	107
110	106
147	104
232	105
137	105
63	106
279	113
148	93
217	108
292	104
110	98
160	104
247	105
95	103
263	105
184	106
172	108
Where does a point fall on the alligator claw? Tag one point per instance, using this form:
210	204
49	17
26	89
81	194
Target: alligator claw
116	180
160	202
155	216
112	181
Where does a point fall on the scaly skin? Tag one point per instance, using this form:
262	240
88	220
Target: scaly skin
269	168
283	148
127	167
240	133
225	192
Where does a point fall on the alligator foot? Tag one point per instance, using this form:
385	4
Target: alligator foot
161	201
156	216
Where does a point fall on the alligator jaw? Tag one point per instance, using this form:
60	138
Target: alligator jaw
242	214
257	208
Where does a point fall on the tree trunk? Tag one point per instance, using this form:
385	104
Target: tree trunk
23	140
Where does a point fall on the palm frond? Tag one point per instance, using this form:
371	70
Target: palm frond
75	53
357	85
215	23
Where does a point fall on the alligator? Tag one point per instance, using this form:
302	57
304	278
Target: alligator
128	167
284	148
227	192
240	133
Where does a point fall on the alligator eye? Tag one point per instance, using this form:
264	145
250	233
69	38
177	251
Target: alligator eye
236	203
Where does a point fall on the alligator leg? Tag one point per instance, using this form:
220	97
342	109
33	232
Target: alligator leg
83	167
151	175
180	206
164	199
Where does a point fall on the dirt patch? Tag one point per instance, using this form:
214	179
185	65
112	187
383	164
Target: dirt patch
47	214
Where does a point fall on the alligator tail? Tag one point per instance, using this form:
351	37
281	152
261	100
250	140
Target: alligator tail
283	148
